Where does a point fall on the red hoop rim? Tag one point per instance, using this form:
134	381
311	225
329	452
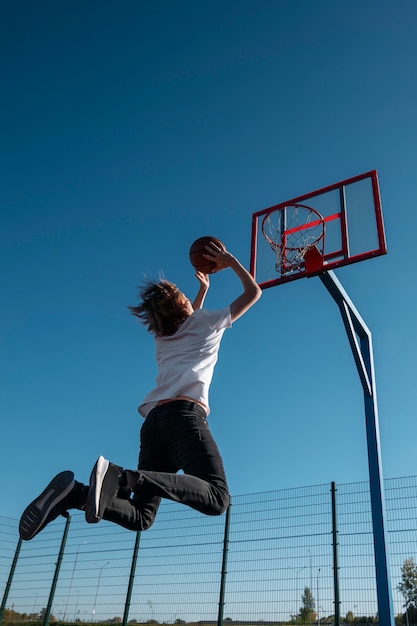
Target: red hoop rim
320	220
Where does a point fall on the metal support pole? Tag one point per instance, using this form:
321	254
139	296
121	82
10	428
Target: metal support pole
57	569
363	355
224	566
131	578
9	580
335	558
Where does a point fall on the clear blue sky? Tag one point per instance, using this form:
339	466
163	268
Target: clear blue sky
131	128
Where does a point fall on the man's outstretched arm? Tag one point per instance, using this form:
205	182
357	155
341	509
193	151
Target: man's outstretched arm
251	290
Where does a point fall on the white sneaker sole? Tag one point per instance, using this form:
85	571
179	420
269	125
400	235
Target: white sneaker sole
96	483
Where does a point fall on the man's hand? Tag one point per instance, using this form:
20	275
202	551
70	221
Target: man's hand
220	256
203	279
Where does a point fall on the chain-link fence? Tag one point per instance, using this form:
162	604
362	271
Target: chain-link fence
270	559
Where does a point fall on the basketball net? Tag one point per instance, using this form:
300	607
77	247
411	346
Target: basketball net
291	231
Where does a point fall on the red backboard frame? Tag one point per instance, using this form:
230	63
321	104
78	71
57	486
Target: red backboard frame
334	258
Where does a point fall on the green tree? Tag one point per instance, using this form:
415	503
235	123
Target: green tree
408	586
307	614
42	616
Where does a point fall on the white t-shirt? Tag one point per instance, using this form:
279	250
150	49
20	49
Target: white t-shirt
186	359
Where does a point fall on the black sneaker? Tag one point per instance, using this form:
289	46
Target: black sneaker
47	506
104	485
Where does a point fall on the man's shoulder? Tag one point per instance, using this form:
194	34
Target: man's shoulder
211	313
213	317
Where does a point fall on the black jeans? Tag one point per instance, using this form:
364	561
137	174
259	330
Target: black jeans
174	436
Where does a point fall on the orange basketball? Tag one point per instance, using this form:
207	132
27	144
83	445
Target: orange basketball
198	249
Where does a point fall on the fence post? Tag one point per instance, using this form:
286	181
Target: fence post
131	578
57	568
9	580
335	558
224	565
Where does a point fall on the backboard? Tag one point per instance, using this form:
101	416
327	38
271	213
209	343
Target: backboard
319	231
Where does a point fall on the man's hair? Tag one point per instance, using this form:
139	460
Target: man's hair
160	308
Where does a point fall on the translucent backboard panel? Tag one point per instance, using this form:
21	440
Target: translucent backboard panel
321	230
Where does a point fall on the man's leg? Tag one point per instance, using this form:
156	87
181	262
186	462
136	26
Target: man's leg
175	436
178	432
136	513
61	494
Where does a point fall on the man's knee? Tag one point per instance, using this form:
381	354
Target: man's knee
220	503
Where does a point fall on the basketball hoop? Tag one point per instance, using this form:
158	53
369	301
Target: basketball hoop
291	231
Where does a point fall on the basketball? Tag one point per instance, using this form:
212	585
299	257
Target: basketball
198	249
